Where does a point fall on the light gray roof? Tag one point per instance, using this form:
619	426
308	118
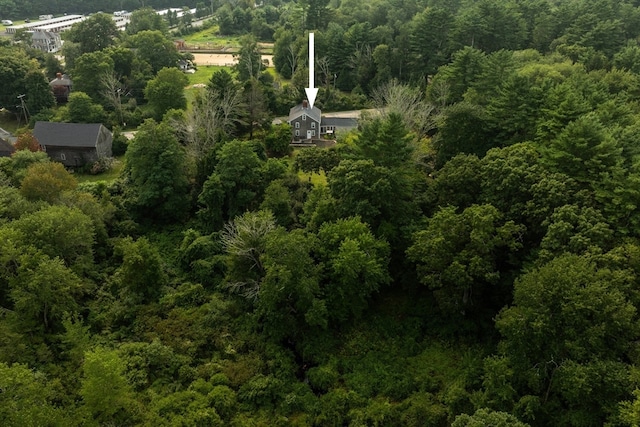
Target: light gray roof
67	134
6	147
299	110
341	122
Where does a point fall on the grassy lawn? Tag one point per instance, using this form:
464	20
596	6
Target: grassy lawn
209	39
201	76
109	175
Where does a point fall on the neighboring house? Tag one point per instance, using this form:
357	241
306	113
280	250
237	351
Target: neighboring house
6	149
305	122
61	87
46	41
74	144
308	125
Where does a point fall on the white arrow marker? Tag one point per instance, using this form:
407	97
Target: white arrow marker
311	91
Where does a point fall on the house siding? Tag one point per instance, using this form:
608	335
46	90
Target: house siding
72	156
303	126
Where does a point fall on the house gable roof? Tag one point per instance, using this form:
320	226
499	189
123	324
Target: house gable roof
300	109
67	134
6	147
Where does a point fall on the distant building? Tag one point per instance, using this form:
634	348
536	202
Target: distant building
46	41
55	25
308	125
61	87
74	144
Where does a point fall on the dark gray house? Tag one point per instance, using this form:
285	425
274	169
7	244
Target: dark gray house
6	148
305	122
309	125
74	144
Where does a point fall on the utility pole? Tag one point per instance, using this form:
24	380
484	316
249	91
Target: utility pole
24	108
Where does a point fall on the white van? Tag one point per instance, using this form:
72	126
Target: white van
7	22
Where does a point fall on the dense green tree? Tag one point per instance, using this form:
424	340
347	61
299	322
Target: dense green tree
236	184
288	300
105	391
486	417
355	266
429	44
141	273
278	139
285	55
456	183
316	160
59	231
17	70
154	48
566	335
166	91
15	167
38	94
458	256
95	33
146	19
316	12
489	25
249	59
386	142
463	128
156	172
46	181
82	109
28	397
43	292
88	72
584	150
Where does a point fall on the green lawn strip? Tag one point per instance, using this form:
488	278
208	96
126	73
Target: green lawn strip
109	175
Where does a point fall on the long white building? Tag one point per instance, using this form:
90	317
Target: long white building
54	25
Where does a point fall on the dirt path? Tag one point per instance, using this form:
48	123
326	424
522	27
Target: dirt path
222	59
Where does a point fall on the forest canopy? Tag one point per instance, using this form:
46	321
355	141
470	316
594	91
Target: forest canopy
468	256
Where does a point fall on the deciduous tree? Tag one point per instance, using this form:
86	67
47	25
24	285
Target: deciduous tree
156	169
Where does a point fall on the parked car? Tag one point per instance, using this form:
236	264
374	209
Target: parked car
7	22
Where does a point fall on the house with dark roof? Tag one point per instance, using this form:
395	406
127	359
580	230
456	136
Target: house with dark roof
61	87
74	144
6	148
308	125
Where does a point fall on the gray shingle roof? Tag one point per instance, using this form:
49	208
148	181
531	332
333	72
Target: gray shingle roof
67	134
299	110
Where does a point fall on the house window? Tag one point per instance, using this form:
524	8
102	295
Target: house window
313	133
63	157
304	117
297	133
313	125
297	125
